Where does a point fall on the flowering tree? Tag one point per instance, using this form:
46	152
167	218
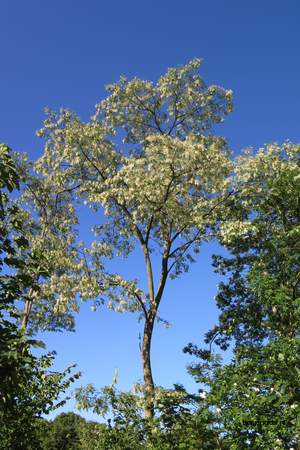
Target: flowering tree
163	188
49	223
28	388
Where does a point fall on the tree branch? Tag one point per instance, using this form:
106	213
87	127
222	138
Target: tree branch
164	274
142	305
93	164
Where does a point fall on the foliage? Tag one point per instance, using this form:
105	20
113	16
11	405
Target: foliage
167	190
50	226
265	240
27	388
63	433
252	402
180	422
34	392
163	189
257	395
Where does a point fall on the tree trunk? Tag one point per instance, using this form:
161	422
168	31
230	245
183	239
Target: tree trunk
26	312
28	306
147	371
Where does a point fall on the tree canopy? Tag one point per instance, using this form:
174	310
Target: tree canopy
164	188
159	180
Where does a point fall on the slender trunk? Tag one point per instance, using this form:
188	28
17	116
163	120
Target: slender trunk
147	337
147	371
27	309
148	328
26	313
29	300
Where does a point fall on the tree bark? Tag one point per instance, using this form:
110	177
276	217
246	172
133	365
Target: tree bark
149	325
28	306
147	371
27	309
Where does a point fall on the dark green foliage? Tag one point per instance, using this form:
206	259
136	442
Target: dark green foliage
180	421
257	395
63	433
261	298
27	388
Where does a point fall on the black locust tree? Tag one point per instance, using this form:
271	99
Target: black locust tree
149	161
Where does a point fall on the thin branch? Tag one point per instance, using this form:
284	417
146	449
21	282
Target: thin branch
93	164
164	274
65	190
220	202
185	244
146	108
212	340
39	202
142	305
149	230
178	233
174	124
129	215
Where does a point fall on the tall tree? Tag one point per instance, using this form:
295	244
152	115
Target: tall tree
163	189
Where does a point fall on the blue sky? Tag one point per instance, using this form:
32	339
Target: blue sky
63	53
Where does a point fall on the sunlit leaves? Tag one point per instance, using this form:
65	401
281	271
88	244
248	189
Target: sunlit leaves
165	190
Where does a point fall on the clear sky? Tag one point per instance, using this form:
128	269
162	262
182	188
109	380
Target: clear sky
63	53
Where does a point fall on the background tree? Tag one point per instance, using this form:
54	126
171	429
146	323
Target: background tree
164	190
181	421
257	395
27	388
63	432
